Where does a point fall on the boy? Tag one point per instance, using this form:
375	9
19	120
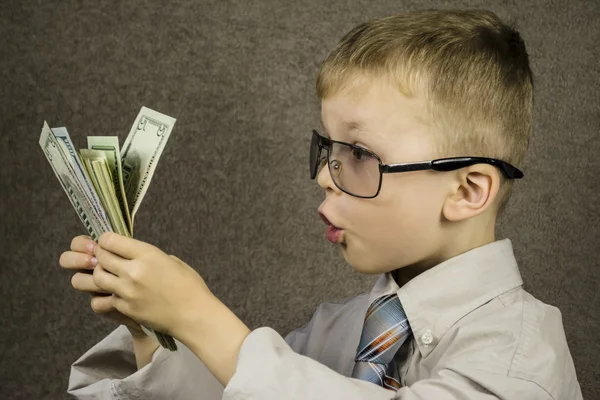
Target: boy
448	317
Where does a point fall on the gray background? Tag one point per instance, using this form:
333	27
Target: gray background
231	195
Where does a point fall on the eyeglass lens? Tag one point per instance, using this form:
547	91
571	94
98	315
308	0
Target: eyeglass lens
353	170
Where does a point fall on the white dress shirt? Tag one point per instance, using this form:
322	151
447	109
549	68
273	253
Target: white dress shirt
477	334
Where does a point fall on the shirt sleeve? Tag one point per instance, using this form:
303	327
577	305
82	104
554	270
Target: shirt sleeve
108	371
268	368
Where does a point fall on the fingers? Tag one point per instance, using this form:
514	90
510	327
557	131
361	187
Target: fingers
83	244
102	304
107	304
74	260
80	256
84	282
105	280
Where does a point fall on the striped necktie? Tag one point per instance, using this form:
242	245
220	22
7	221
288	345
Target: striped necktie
385	329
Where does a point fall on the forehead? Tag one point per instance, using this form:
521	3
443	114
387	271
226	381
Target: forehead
371	107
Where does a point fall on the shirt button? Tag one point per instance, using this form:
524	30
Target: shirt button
427	337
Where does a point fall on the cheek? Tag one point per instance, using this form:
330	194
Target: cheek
396	228
410	202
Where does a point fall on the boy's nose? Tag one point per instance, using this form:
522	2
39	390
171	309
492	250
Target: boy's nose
324	179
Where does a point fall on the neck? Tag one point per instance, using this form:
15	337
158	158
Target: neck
457	240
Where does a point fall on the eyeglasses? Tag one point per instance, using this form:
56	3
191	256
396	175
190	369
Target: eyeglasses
358	171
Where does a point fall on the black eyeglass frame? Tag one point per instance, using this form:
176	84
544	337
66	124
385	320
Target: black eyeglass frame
440	164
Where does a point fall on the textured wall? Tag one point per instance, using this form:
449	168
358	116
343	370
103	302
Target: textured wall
231	195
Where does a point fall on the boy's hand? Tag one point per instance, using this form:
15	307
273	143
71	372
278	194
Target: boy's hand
157	290
80	259
161	292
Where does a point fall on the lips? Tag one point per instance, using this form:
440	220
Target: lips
333	233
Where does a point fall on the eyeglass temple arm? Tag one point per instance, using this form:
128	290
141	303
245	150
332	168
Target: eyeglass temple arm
451	164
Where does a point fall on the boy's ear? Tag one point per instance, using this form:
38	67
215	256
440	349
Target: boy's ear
474	190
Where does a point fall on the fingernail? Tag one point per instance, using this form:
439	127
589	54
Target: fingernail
91	246
94	261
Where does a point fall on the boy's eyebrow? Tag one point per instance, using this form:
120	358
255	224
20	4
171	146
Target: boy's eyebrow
354	126
350	126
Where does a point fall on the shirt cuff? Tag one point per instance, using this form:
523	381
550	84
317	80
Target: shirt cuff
171	375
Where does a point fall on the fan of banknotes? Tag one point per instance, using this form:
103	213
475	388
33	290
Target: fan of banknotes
106	185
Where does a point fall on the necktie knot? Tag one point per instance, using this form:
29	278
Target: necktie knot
384	330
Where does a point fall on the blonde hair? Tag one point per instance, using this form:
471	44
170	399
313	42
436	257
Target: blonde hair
471	69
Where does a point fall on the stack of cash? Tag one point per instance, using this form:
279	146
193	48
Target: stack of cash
106	185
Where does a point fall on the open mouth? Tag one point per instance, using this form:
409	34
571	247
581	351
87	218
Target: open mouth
333	233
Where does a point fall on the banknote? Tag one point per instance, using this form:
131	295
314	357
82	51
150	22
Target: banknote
141	152
71	183
110	146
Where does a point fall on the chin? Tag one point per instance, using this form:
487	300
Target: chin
360	264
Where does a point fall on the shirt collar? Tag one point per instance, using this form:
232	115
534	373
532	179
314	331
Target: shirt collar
437	298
